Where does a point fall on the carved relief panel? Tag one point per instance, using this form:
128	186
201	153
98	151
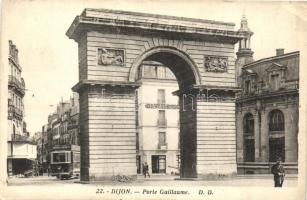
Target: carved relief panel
216	63
109	56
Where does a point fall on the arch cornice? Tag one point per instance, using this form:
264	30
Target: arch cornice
160	49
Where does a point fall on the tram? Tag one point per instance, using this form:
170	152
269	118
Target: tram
65	164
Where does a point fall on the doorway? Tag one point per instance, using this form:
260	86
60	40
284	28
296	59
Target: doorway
158	164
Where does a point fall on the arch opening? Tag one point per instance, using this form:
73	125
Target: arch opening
184	69
187	75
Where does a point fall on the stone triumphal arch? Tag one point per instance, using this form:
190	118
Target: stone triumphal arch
112	45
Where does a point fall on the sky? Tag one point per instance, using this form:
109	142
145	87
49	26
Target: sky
50	59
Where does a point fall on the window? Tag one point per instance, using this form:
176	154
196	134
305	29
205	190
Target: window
158	164
275	81
247	86
249	140
276	149
161	118
161	72
59	157
137	141
161	96
150	71
162	139
14	131
248	124
276	136
276	121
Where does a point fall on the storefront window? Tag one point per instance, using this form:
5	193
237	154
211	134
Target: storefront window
276	136
249	139
158	164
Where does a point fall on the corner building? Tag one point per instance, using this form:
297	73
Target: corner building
266	109
21	148
267	114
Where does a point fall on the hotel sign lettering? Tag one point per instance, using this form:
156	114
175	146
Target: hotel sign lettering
162	106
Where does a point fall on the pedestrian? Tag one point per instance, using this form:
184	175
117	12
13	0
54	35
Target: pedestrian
48	170
145	170
278	172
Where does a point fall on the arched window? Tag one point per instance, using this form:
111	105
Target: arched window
277	122
249	139
248	124
276	136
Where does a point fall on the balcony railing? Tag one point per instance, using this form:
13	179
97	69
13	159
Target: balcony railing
19	85
14	112
21	138
72	126
291	85
162	146
161	123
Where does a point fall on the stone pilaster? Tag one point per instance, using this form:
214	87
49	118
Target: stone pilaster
291	129
264	137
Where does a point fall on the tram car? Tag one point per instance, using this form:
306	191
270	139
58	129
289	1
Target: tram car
65	164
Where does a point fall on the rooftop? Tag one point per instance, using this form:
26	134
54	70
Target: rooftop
271	59
147	17
152	22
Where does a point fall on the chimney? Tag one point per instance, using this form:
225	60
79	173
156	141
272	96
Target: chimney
280	52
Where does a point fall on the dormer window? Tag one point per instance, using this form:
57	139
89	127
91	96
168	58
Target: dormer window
249	78
275	82
276	74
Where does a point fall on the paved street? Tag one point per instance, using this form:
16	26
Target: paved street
158	180
155	187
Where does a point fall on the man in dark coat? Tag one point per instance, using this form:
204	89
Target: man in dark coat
145	170
279	173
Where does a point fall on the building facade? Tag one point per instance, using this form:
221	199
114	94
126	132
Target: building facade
266	109
157	120
62	131
21	148
42	149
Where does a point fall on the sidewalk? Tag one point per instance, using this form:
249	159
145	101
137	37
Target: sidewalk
32	180
162	180
157	177
249	176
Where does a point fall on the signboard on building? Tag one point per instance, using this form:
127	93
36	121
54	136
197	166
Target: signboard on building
162	106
